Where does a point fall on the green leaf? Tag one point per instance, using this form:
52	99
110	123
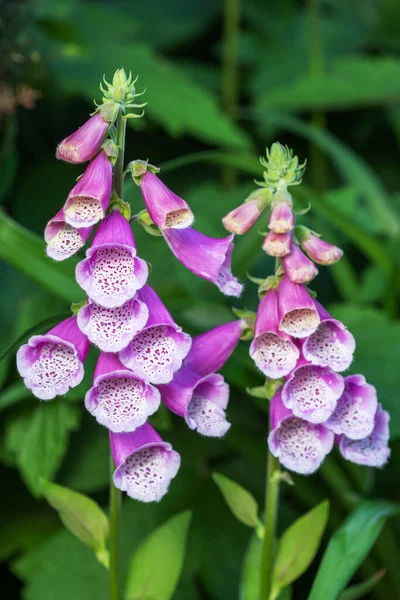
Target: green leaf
82	516
240	501
251	576
361	589
348	547
39	438
25	251
298	547
13	394
156	566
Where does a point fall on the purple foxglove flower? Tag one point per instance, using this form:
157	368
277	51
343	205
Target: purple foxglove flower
273	351
331	345
145	463
166	209
158	350
312	392
119	400
297	312
242	218
82	145
62	239
299	445
354	415
373	450
52	363
111	329
298	267
208	258
277	244
201	401
112	273
282	218
321	252
88	200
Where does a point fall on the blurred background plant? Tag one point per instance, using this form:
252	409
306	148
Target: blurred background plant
223	81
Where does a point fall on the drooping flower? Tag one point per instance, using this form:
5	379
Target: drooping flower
118	399
299	445
373	450
273	351
277	244
297	312
166	209
208	258
317	249
112	273
354	415
145	464
331	344
157	351
242	218
52	363
312	392
298	267
111	329
282	218
88	200
84	143
64	240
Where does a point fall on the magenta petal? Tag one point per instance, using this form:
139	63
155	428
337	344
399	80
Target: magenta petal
208	258
145	464
242	218
298	267
83	144
277	244
321	252
51	364
166	209
297	312
273	351
282	218
373	450
88	200
62	239
114	229
111	329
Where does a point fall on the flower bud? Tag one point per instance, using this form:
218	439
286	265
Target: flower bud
277	244
319	251
282	218
298	267
82	145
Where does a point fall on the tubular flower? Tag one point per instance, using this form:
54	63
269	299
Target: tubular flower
298	267
145	464
52	363
277	244
373	450
112	273
157	351
166	209
64	240
297	312
282	218
273	351
119	400
299	445
88	200
84	143
242	218
317	249
208	258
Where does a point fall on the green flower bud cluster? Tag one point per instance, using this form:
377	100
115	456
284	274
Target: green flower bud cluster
282	167
119	95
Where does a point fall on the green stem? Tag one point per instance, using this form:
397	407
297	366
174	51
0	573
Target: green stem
229	71
119	165
271	515
115	499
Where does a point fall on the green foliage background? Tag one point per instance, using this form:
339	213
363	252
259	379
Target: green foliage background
323	77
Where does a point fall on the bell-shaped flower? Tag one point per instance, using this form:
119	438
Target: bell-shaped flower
373	450
331	344
297	312
64	240
88	200
84	143
273	351
277	244
157	351
208	258
354	415
112	273
145	464
111	329
118	399
298	267
311	392
299	445
166	209
52	363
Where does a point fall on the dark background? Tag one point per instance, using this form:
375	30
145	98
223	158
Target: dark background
322	77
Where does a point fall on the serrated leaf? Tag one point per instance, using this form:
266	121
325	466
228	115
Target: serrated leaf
240	501
298	547
348	547
361	589
82	516
156	566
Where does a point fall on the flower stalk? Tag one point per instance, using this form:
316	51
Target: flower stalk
270	521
